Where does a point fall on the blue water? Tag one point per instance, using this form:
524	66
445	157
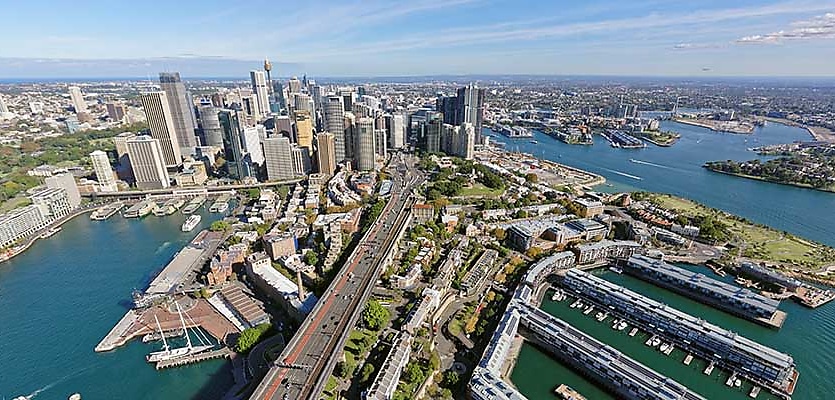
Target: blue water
678	170
63	295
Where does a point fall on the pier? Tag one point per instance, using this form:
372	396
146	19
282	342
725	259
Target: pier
724	296
195	358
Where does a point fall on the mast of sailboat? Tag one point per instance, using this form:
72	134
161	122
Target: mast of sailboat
185	330
161	334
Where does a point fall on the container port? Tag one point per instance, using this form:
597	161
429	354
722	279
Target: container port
724	296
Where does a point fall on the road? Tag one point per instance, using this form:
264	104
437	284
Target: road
308	360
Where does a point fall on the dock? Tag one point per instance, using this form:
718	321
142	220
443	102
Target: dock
195	358
119	334
104	212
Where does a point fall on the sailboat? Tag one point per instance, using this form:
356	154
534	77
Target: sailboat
167	353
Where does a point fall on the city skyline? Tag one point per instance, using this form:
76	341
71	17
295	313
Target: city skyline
429	37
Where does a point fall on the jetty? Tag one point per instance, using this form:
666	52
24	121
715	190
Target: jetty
195	358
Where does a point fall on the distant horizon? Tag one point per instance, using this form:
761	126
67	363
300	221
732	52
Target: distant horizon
424	77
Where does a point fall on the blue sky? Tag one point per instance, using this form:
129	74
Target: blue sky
419	37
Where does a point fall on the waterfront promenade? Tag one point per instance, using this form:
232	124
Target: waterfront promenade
29	241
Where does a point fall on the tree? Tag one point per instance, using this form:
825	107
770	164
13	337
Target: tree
219	226
450	379
533	252
311	258
375	315
414	373
531	178
250	336
344	369
499	233
366	372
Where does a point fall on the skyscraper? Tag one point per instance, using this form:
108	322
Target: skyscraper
304	129
104	174
432	132
301	160
335	124
236	165
3	107
182	110
77	99
161	124
350	124
147	163
397	131
380	145
116	111
252	145
261	91
294	85
325	154
365	150
210	124
278	154
466	141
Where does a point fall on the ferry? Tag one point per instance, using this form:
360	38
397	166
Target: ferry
616	270
140	209
51	232
220	205
104	212
194	204
191	222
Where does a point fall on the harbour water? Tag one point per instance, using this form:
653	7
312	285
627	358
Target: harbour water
678	170
60	297
807	336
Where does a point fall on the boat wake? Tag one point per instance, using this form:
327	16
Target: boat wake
162	247
637	178
649	163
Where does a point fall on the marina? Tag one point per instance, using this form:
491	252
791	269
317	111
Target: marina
750	359
724	296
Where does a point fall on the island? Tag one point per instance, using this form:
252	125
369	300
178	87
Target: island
809	165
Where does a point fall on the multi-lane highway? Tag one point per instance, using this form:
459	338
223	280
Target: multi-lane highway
309	358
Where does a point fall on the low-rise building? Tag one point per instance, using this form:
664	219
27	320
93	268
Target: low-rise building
588	208
423	213
290	295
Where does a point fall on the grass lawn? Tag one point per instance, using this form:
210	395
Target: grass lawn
13	203
760	242
478	189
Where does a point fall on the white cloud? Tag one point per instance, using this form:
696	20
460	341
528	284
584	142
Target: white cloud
820	27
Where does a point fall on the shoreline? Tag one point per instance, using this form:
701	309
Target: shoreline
12	253
818	133
711	127
761	179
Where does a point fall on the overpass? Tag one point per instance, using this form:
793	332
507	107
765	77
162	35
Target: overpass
309	358
188	190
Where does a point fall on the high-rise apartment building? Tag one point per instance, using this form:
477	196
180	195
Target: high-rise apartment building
77	99
181	106
325	153
261	90
304	129
161	124
53	202
251	144
66	182
335	124
147	163
470	108
278	155
365	150
104	174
